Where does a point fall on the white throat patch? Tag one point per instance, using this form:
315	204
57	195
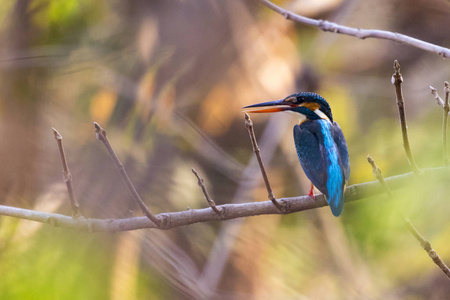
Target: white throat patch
322	115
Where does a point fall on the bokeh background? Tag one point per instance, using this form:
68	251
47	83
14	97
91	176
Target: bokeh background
167	79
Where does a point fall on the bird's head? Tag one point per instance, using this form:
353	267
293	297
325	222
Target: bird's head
311	105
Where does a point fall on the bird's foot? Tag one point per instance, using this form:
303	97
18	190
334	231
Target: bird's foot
311	194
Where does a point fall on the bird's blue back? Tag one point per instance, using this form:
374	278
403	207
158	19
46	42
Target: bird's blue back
323	154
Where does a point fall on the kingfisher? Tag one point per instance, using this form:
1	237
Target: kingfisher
320	144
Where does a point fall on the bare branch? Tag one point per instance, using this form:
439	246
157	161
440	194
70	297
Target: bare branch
357	32
67	176
201	183
397	80
101	136
230	211
256	150
426	245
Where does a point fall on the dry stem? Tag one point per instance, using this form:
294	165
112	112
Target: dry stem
397	80
67	176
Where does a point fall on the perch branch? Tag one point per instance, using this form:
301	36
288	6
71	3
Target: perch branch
230	211
426	245
397	80
357	32
67	176
201	183
101	136
256	150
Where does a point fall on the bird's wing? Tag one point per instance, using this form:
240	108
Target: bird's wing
341	144
310	154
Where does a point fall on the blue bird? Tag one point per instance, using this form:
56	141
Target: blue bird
320	144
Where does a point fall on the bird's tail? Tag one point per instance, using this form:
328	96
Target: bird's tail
336	203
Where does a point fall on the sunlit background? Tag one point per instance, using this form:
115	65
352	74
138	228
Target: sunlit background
167	79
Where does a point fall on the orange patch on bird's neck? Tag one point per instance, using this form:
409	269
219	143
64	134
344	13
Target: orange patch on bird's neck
311	105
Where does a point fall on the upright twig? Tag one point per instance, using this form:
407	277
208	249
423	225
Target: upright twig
67	176
445	107
101	136
426	245
445	122
201	184
256	150
397	80
328	26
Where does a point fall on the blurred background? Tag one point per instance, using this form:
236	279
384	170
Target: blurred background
167	80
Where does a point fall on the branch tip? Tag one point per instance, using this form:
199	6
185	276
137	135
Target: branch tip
56	133
396	66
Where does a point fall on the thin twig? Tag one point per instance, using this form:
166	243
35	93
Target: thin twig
101	136
357	32
201	183
426	245
437	97
256	150
67	176
397	80
445	122
231	211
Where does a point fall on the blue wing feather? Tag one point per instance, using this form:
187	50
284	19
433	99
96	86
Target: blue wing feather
323	154
310	154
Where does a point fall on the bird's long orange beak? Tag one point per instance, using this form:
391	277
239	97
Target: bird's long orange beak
269	107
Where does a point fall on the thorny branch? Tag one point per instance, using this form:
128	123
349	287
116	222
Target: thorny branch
67	176
397	80
230	211
426	245
256	150
101	136
328	26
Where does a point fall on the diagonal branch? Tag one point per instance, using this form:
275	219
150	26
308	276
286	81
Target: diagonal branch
426	245
101	136
201	184
256	150
230	211
67	176
328	26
